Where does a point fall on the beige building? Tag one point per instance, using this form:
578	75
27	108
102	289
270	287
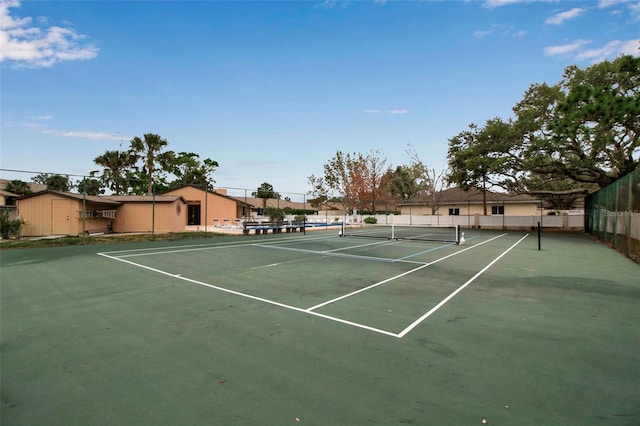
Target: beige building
457	202
64	213
209	208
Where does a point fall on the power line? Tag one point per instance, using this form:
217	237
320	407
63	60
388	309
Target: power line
42	173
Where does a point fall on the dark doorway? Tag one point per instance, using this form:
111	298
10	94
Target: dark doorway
193	216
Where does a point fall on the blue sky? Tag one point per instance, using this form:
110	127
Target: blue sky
271	90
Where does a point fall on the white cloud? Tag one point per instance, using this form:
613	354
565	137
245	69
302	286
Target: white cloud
561	17
330	4
481	33
499	3
492	4
97	136
392	112
610	50
26	45
564	49
502	29
602	4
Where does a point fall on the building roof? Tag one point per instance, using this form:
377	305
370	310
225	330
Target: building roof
35	187
474	196
272	202
114	200
145	198
91	198
7	193
214	192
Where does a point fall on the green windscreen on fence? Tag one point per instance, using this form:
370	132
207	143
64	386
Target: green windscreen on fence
612	214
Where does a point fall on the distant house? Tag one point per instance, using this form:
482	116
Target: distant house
256	205
455	201
8	199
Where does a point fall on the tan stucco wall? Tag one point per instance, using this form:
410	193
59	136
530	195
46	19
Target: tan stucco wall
143	217
41	219
218	208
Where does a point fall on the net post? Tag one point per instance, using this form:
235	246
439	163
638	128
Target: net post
393	231
457	230
539	236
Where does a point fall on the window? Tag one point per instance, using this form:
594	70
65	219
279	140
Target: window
497	209
454	211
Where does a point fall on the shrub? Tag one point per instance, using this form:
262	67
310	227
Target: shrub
275	214
370	220
299	218
10	228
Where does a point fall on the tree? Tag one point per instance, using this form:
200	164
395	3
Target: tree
149	150
54	182
90	186
319	192
567	139
338	176
275	214
118	169
372	171
429	182
472	160
585	130
18	187
188	169
265	191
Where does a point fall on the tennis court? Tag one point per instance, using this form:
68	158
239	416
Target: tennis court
319	329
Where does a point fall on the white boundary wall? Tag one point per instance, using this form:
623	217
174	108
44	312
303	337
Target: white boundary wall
564	222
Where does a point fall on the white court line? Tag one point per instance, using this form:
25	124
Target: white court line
353	293
458	290
197	247
310	311
249	296
327	253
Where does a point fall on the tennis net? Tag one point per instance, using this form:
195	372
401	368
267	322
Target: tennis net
443	233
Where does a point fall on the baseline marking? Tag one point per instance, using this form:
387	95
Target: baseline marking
458	290
249	296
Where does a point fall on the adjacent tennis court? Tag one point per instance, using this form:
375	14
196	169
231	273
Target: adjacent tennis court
321	329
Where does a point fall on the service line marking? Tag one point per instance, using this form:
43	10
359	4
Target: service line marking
424	265
458	290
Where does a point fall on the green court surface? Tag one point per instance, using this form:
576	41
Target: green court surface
315	329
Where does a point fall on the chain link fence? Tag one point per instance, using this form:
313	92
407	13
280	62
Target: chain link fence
612	214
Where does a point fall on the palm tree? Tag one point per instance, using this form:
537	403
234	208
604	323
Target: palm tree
265	191
150	147
117	165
